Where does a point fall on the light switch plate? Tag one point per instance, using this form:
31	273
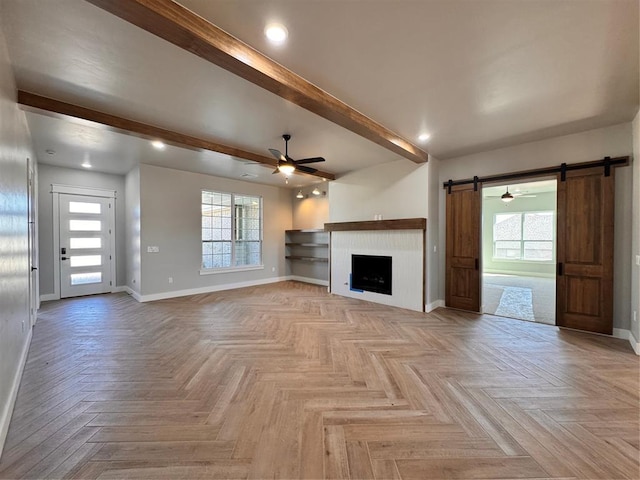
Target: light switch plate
153	249
638	260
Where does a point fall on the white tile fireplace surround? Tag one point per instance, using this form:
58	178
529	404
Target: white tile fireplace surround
402	240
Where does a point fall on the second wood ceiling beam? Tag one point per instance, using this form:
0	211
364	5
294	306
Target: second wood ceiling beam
39	104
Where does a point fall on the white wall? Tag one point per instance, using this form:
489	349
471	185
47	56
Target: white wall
132	229
15	148
399	189
394	190
170	218
47	175
612	141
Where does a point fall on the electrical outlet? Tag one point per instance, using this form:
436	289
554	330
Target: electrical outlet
635	316
170	279
153	249
273	269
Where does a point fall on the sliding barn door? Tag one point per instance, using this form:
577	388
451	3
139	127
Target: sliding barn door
463	248
585	251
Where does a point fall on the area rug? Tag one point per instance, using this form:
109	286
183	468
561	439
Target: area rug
516	302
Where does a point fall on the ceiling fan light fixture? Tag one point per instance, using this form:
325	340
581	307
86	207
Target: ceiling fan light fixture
287	169
506	197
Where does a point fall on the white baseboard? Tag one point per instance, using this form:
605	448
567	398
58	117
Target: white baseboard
314	281
627	335
213	288
47	297
430	307
119	289
133	293
5	415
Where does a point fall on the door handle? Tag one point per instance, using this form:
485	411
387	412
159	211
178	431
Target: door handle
64	258
477	264
34	268
560	269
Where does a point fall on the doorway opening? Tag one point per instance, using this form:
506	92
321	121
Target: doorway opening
519	250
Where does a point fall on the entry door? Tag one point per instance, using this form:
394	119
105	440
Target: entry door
463	248
585	251
85	245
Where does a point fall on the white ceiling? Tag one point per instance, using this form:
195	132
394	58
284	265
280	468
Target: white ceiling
474	74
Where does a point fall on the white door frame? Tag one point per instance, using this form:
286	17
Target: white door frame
56	190
34	276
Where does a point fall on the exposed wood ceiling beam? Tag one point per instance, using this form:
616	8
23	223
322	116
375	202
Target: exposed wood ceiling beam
180	26
56	108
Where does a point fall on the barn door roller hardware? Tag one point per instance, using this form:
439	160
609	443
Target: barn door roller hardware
606	163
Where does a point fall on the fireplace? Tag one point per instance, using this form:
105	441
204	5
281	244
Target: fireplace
371	273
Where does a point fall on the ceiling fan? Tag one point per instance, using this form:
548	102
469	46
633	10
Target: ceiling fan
288	165
508	196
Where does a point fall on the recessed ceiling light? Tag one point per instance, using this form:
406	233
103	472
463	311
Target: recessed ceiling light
276	32
158	145
423	137
86	164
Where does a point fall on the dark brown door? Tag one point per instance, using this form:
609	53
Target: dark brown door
463	248
584	283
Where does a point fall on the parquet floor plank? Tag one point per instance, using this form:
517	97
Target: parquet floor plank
287	381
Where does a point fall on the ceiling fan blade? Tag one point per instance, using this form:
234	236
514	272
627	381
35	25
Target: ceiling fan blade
278	154
309	160
300	168
275	171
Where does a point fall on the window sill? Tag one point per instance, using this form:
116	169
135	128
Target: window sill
215	271
515	260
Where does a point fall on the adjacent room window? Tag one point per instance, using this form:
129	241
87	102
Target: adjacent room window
523	236
231	230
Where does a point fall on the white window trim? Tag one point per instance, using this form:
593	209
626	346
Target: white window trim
522	241
215	271
241	268
56	190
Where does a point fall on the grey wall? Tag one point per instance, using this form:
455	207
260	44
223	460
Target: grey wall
612	141
635	237
433	233
47	175
170	216
311	211
132	219
15	147
491	206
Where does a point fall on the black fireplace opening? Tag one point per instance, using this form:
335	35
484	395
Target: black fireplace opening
371	273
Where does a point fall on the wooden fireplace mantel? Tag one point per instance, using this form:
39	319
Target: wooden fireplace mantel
398	224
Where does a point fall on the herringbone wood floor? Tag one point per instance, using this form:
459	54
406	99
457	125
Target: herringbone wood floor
286	381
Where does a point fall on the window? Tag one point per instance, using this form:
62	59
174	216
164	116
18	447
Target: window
523	236
231	230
